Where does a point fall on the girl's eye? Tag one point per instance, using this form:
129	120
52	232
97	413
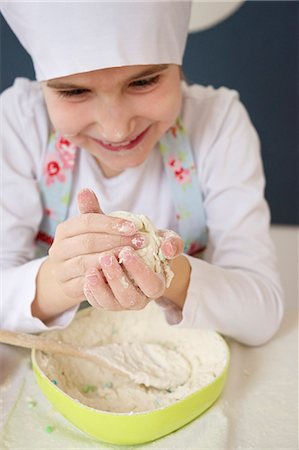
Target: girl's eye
145	82
73	92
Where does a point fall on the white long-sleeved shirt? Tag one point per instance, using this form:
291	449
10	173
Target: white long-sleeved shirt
235	290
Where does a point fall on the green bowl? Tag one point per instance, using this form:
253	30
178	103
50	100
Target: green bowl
131	428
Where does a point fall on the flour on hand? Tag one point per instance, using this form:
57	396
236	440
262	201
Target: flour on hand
151	254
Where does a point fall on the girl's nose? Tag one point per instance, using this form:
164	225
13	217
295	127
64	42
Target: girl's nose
115	122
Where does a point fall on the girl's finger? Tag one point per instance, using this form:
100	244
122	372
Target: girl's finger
85	244
172	244
94	223
90	298
127	295
99	292
79	265
87	202
149	282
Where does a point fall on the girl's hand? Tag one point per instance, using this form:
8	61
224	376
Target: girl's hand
124	281
172	244
80	241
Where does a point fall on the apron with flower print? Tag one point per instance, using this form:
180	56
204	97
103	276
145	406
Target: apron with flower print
56	186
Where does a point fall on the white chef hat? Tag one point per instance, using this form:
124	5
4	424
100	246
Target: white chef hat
64	38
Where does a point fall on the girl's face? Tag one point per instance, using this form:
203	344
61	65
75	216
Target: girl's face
117	114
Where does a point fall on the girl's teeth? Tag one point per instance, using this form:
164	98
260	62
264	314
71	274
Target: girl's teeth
117	145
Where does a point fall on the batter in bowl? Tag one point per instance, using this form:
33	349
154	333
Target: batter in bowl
105	389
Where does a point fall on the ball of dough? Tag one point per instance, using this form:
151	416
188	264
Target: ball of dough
152	253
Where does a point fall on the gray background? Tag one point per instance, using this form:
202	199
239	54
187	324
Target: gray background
255	51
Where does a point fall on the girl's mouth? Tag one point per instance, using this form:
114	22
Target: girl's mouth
126	146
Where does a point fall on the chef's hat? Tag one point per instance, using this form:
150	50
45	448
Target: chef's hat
65	38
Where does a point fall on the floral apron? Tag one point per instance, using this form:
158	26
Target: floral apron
56	186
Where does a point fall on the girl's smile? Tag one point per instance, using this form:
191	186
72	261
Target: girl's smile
128	145
117	115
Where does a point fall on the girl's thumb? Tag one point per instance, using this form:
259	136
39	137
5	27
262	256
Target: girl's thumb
88	202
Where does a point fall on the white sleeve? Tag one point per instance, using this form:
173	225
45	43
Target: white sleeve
21	209
237	291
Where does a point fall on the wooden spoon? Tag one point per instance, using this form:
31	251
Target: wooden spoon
145	363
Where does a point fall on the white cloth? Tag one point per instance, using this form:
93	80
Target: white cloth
235	291
64	38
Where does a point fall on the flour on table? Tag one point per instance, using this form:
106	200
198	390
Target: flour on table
152	253
105	389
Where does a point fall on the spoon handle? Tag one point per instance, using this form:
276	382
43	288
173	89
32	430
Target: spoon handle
40	343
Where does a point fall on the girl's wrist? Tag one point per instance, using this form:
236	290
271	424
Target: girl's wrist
177	291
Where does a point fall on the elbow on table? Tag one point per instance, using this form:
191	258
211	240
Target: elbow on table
269	322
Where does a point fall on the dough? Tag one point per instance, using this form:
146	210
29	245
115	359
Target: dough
107	390
151	254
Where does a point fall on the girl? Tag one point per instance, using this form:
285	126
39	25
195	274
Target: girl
109	111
